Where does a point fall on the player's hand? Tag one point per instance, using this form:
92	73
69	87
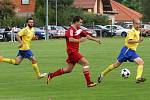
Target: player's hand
20	45
98	41
141	39
35	38
83	39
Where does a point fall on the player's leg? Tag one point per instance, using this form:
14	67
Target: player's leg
36	68
120	59
111	67
108	69
83	61
60	71
140	67
71	64
16	61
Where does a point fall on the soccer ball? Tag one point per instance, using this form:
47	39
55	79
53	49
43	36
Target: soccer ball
125	73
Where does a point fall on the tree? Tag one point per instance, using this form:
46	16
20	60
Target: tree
133	4
146	12
6	12
120	1
95	19
61	3
65	13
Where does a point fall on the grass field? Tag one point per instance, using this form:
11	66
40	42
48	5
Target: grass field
20	83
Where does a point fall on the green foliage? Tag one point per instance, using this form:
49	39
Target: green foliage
120	1
146	12
61	3
6	22
133	4
65	14
6	13
90	18
19	21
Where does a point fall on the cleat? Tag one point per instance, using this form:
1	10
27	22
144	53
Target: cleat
139	80
48	78
100	78
1	58
91	84
42	75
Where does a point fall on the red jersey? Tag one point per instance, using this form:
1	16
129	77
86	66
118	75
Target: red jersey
74	33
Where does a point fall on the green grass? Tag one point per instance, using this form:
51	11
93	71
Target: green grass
20	83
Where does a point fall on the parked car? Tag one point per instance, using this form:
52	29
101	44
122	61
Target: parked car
40	33
92	32
100	30
145	30
8	34
66	27
56	31
1	34
128	26
120	31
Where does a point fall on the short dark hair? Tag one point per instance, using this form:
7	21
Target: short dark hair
77	19
29	19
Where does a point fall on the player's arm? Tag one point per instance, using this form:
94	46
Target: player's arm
35	37
136	41
71	39
69	35
18	37
131	38
93	39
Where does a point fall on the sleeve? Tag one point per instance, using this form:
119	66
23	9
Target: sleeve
84	33
22	32
69	33
130	35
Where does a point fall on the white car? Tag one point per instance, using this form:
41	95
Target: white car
1	33
145	29
56	31
92	32
119	30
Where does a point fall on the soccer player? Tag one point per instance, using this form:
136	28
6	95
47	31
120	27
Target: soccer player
24	38
128	53
74	36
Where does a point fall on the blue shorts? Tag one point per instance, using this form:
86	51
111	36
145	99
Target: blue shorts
25	53
127	54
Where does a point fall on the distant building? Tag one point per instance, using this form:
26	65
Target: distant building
114	10
124	13
95	6
24	7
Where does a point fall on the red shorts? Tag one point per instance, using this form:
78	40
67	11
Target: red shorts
74	57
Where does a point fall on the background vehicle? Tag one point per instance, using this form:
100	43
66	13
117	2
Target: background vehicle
100	30
40	33
56	31
145	30
92	32
1	34
120	31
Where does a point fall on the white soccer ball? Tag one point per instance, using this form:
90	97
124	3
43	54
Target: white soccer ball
125	73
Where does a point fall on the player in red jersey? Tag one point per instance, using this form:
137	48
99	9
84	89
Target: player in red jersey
74	36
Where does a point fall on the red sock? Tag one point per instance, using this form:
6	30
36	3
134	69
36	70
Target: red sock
57	73
87	76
